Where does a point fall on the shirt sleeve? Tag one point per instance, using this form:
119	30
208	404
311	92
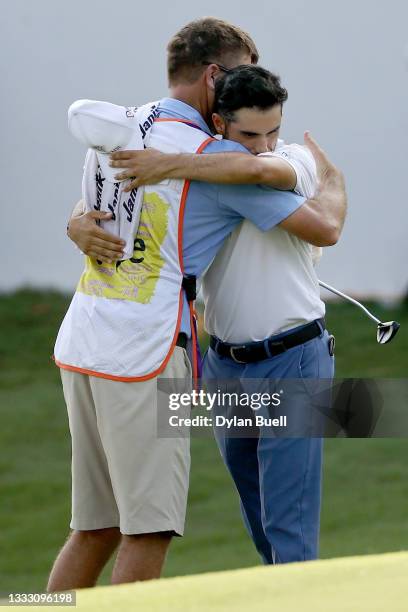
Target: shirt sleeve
265	207
303	163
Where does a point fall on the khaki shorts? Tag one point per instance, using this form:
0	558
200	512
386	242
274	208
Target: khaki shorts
123	475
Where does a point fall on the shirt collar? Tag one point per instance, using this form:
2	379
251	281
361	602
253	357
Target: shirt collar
181	110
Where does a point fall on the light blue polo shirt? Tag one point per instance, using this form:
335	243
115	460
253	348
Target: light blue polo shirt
213	210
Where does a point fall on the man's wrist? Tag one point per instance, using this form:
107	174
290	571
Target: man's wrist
176	165
69	234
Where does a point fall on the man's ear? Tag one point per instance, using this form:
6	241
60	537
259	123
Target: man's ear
219	124
210	74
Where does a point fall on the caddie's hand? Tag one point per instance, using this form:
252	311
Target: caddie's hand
142	167
328	175
92	239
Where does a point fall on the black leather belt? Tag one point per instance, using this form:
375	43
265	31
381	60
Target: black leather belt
182	340
265	349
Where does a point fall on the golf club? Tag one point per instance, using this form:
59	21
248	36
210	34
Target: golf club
385	331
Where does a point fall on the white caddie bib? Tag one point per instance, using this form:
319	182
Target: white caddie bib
125	317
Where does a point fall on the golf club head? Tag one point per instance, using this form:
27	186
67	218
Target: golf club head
387	331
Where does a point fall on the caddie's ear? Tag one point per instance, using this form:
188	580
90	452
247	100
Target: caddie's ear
210	73
219	124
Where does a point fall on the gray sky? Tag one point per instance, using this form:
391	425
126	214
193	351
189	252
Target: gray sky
343	64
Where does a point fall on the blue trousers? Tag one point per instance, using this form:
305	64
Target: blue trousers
279	479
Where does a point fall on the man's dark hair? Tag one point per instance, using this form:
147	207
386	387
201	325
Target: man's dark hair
204	41
247	87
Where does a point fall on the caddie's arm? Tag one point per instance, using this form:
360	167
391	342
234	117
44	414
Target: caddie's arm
92	240
152	166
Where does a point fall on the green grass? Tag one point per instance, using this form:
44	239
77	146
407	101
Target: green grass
351	584
365	485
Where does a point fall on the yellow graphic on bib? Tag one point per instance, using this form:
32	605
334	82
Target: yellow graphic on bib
134	279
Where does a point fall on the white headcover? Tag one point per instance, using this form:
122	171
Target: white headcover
106	128
103	128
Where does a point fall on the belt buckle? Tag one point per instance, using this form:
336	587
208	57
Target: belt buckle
236	348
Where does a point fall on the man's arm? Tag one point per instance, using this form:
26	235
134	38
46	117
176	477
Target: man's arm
152	166
92	240
317	220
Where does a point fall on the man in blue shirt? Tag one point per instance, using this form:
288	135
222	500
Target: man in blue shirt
197	56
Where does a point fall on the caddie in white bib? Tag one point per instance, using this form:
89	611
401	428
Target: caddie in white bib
124	319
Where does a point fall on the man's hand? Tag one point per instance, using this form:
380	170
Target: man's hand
328	176
146	167
321	218
93	240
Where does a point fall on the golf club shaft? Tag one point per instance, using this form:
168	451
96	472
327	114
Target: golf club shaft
350	299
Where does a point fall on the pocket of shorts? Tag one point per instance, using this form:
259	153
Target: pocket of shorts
187	363
184	368
178	372
179	366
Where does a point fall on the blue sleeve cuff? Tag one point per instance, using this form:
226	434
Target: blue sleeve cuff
278	215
